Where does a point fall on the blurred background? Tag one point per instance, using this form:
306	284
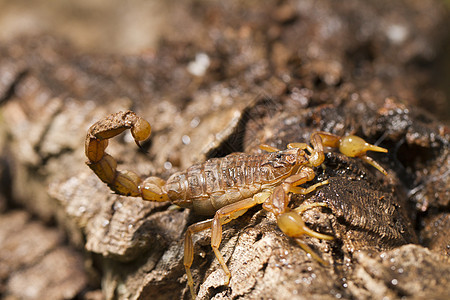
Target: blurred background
136	26
94	25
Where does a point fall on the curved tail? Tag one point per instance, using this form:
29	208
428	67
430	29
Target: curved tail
104	165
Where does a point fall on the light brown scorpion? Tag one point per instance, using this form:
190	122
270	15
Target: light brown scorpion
226	187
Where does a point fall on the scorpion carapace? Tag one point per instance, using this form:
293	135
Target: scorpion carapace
226	187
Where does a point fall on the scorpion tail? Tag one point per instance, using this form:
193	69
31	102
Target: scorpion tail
104	165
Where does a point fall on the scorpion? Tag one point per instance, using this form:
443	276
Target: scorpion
226	187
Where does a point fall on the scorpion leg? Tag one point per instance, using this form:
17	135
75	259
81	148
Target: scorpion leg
226	214
304	175
300	146
223	216
317	157
268	148
279	199
189	250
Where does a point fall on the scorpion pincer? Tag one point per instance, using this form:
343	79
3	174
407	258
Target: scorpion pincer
226	187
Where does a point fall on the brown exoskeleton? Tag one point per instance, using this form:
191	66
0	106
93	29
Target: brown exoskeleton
226	187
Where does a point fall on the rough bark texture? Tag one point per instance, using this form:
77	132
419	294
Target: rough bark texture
226	77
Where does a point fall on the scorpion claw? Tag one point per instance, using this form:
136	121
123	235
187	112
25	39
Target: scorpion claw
352	146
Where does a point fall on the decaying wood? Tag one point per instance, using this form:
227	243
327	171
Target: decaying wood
30	250
275	75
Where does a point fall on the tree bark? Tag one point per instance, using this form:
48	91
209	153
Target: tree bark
226	78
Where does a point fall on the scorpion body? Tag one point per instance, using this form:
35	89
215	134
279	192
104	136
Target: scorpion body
226	187
209	186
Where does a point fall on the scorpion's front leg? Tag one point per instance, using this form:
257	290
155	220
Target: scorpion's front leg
189	248
105	166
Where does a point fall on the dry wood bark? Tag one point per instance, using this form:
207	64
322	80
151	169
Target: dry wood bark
276	74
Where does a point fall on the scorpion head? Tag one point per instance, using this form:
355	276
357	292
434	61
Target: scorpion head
286	158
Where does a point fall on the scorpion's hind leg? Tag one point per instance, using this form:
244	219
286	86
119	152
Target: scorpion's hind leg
222	216
225	215
189	250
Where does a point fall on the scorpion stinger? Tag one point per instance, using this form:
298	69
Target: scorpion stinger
225	187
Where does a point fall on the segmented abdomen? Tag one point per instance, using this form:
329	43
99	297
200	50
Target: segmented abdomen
218	175
237	175
237	170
